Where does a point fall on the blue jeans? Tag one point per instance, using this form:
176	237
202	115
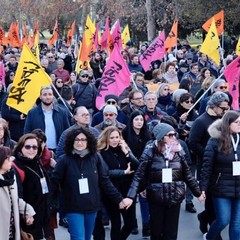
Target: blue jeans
144	208
227	211
81	225
188	194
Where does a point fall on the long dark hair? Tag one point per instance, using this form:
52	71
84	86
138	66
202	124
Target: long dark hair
225	142
5	152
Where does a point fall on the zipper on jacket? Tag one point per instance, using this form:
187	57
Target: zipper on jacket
219	175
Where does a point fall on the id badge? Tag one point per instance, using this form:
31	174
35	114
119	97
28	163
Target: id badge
83	185
44	185
167	175
236	168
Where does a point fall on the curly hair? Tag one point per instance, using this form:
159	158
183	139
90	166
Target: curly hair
104	137
225	144
71	136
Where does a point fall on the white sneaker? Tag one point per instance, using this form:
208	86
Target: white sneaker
205	236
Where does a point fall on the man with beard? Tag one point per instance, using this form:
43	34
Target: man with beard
109	119
49	117
96	65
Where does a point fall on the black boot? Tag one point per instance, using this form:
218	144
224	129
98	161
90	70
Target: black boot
203	223
145	230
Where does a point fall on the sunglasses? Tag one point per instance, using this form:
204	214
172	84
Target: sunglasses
50	57
223	87
224	108
188	101
171	135
108	114
166	89
78	140
60	82
111	102
28	147
84	76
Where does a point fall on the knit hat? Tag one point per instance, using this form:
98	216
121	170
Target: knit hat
161	130
111	96
110	108
177	94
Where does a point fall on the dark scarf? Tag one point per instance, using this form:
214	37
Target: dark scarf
8	178
165	100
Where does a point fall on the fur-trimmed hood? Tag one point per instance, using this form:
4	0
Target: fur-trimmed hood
214	129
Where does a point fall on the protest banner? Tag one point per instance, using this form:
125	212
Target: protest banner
29	79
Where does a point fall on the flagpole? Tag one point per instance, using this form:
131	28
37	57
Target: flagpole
204	94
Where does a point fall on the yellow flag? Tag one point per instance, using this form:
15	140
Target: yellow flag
29	79
36	47
211	44
89	31
238	47
125	36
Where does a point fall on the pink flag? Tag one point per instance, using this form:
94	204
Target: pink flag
2	73
154	52
115	78
116	35
232	74
104	39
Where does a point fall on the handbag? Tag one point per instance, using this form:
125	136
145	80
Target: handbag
25	235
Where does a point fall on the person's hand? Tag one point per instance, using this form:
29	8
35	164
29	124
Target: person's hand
29	220
52	163
122	204
184	117
125	100
128	170
127	202
22	116
202	198
143	194
124	146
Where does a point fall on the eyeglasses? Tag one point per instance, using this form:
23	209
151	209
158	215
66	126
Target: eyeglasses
139	98
188	101
224	108
171	135
108	114
84	76
28	147
166	89
85	115
111	102
78	140
223	87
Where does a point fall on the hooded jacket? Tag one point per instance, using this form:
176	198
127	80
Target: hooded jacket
217	172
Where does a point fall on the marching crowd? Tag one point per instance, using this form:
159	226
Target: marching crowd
90	165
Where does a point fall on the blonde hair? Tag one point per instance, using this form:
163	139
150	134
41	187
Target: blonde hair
207	82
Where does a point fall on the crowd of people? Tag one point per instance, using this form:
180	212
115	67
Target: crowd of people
66	159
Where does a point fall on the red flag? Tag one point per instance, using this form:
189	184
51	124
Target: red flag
171	40
13	36
71	33
116	36
154	52
104	39
25	36
3	39
232	74
54	37
219	22
115	78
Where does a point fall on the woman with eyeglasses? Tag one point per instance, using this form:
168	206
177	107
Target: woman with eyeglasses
81	175
121	165
164	171
33	184
11	206
164	96
220	174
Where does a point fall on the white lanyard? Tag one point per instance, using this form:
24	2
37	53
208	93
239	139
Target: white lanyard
235	145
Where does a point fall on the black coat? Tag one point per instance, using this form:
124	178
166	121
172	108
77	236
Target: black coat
150	171
70	169
217	172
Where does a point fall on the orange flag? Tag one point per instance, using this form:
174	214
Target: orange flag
31	39
70	34
25	35
3	39
13	36
54	37
219	22
171	40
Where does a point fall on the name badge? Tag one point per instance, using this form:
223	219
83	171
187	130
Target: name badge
83	185
236	168
44	185
167	175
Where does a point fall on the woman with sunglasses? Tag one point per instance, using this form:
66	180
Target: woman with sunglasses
220	174
164	96
58	85
121	165
11	205
164	171
33	184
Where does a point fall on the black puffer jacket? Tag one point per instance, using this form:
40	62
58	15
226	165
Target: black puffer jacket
217	172
150	172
